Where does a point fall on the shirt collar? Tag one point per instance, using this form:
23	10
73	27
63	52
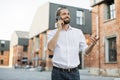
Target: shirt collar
70	28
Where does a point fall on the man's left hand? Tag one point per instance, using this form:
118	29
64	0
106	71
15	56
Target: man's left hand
94	39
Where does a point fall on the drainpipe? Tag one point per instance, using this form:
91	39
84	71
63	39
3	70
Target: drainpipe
98	35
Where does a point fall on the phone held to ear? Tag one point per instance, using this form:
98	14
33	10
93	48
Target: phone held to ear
57	18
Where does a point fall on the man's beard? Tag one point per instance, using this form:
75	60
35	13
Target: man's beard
67	21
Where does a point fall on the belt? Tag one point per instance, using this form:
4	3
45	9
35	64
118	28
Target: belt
66	70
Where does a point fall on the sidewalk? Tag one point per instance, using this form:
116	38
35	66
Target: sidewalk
33	74
85	75
4	67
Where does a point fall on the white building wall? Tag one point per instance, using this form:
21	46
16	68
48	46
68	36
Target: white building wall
14	41
95	1
40	21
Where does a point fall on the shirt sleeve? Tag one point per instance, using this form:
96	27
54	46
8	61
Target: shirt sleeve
83	45
50	35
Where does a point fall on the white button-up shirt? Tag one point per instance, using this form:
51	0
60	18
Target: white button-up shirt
69	44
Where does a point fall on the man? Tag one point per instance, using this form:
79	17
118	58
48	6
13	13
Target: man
64	43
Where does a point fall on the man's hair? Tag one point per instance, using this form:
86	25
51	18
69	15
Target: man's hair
58	12
59	9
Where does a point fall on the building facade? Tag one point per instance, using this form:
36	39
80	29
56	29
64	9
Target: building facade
4	52
104	59
19	49
44	21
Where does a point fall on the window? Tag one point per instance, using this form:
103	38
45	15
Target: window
25	48
2	43
37	43
80	18
50	56
1	61
45	46
110	10
24	60
111	52
36	58
2	52
32	46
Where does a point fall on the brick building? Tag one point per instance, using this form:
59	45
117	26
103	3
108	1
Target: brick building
105	57
44	21
4	52
19	48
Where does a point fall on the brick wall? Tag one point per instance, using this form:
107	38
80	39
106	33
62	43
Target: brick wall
5	58
96	59
18	54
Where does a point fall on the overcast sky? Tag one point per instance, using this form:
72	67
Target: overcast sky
18	14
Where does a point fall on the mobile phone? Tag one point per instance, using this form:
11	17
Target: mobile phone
58	18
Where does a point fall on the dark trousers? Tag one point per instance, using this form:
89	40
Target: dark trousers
65	75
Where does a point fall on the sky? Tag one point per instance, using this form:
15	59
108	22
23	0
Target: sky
17	15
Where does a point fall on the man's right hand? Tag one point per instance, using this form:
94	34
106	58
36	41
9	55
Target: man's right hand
60	23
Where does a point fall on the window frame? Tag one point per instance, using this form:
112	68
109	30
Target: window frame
107	49
109	11
80	18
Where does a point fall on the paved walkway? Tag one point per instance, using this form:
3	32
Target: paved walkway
22	74
84	74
